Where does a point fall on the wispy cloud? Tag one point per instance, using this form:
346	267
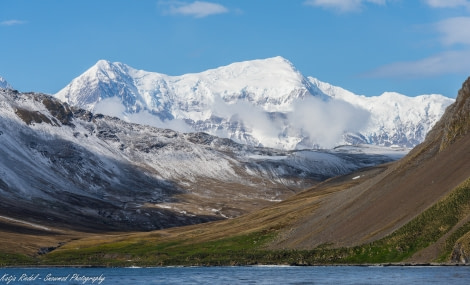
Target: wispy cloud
197	9
454	31
447	62
12	22
448	3
452	34
342	6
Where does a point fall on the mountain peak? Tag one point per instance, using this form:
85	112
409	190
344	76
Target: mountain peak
278	60
272	65
103	64
4	84
108	68
274	76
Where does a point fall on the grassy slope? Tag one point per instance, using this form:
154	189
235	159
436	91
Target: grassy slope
249	239
246	240
242	234
209	246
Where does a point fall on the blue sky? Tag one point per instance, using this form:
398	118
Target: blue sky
366	46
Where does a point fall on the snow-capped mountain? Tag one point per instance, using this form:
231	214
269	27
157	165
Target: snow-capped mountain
64	165
4	84
395	119
260	102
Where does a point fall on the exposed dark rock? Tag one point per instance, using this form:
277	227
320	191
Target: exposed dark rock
45	250
107	135
201	138
30	117
456	119
59	110
460	254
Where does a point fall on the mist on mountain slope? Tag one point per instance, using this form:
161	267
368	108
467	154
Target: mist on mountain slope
113	107
328	121
325	120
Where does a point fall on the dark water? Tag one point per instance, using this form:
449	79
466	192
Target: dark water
239	275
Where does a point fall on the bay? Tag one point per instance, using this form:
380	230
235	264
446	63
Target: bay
240	275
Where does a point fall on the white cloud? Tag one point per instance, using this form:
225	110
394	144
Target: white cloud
197	9
254	118
448	3
113	107
145	118
342	6
442	63
326	121
12	22
454	31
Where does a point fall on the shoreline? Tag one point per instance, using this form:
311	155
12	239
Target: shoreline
252	265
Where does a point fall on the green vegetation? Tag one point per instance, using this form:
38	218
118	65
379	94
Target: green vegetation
462	235
422	231
249	249
7	259
234	243
227	251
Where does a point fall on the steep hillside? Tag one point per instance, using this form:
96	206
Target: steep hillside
413	210
379	206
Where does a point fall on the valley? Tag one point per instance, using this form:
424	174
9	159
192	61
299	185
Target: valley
79	188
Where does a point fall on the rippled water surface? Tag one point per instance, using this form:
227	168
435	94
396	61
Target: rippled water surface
240	275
